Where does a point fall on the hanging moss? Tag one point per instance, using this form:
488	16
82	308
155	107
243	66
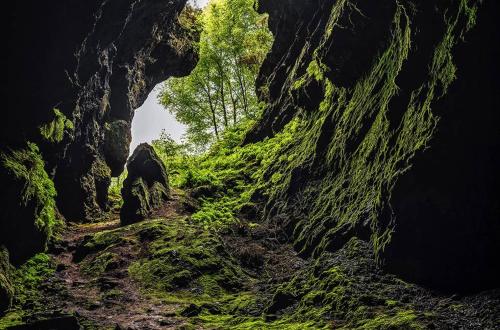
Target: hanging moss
350	138
54	131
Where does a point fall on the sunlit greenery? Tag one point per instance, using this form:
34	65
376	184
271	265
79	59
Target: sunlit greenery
28	166
219	93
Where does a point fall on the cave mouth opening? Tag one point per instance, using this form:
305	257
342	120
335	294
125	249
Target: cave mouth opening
151	120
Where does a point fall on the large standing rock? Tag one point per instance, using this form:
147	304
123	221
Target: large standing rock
146	186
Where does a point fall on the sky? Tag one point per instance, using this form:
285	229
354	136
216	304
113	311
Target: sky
151	118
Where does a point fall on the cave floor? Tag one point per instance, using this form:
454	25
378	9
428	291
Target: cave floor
111	300
171	273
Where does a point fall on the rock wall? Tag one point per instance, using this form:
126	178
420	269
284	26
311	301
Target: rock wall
96	62
398	109
76	71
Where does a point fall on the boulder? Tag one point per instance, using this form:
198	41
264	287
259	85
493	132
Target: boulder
146	186
117	140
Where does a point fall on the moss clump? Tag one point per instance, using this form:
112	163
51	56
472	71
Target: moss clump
27	166
186	256
99	242
100	264
27	281
54	131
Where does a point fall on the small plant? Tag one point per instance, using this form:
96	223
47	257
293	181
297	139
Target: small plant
115	191
54	131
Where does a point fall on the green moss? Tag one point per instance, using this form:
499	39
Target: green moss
316	70
28	278
251	323
400	320
103	240
364	153
98	265
54	131
26	281
27	166
186	256
12	318
6	286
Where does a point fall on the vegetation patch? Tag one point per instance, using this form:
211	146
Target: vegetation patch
54	131
28	167
27	281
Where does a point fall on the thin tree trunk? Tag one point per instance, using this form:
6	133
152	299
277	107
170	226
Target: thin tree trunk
233	101
243	89
208	91
221	77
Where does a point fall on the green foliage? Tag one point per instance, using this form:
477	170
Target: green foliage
219	92
183	38
27	280
115	191
6	286
54	131
27	166
230	171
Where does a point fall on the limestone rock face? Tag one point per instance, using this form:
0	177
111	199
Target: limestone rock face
95	61
398	108
146	187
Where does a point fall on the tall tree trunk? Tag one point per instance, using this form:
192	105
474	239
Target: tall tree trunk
222	96
239	74
208	91
233	101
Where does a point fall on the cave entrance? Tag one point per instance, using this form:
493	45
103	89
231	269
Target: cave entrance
152	119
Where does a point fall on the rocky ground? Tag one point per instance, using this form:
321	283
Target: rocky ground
168	273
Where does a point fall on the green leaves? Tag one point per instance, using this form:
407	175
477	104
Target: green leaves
28	166
54	131
219	92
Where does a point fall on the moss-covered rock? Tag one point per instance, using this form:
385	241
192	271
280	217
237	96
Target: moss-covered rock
186	257
382	93
29	213
146	187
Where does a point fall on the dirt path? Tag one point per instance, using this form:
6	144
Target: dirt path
112	301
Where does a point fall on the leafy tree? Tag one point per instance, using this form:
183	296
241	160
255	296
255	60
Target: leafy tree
219	92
